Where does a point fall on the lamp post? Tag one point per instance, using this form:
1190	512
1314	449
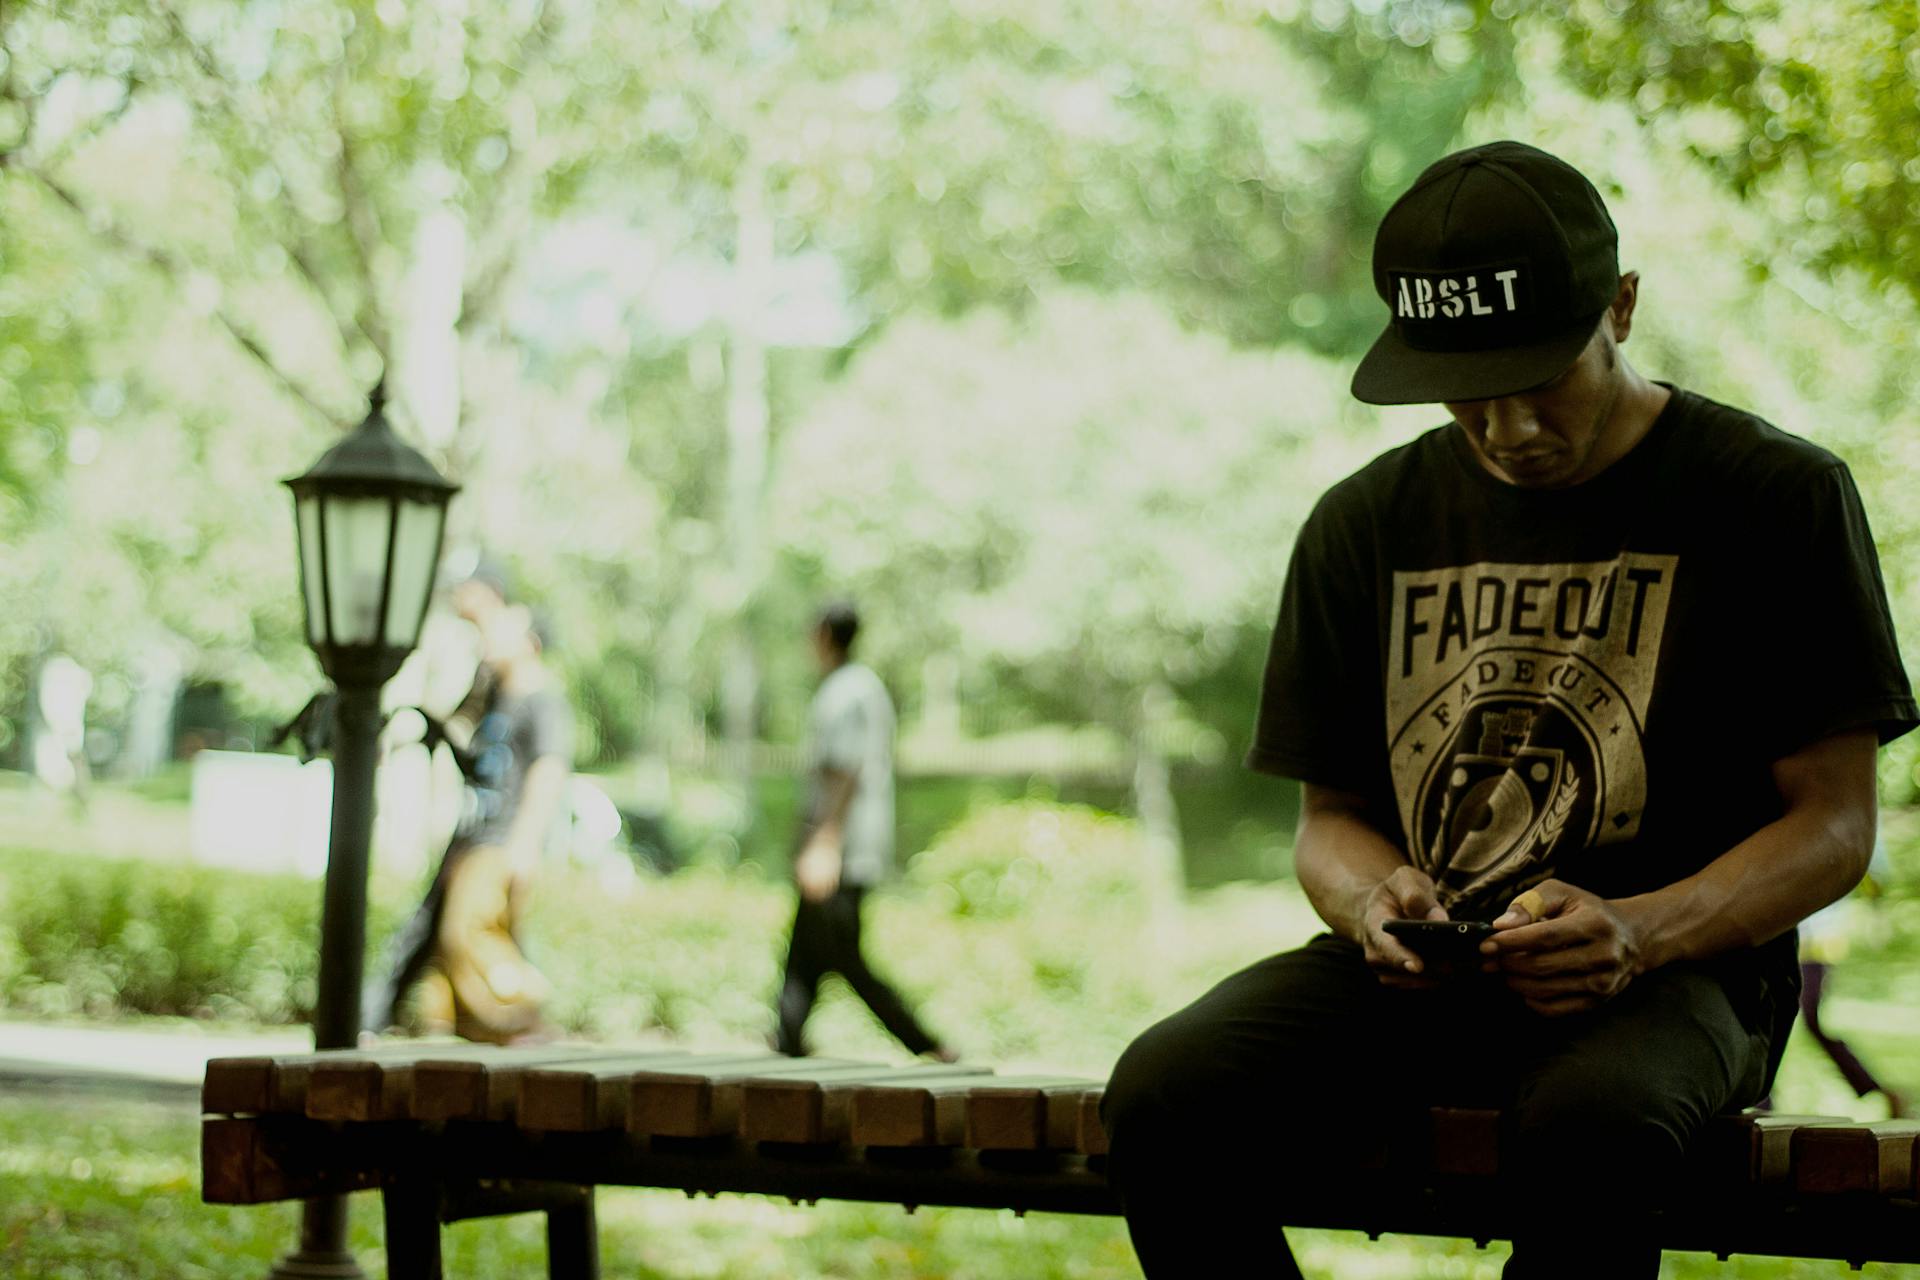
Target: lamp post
369	515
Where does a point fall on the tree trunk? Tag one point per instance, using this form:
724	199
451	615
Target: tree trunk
1154	805
747	415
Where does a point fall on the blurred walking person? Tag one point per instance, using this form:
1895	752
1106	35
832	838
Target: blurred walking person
60	728
845	844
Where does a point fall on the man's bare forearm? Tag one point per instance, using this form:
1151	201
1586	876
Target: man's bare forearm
541	794
1812	854
1340	859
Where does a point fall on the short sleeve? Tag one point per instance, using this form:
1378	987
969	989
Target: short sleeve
551	729
840	736
1840	665
1320	700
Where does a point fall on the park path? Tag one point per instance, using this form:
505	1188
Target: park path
159	1060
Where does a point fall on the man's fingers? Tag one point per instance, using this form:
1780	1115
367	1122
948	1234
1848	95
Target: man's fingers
1394	956
1412	895
1579	958
1525	909
1545	935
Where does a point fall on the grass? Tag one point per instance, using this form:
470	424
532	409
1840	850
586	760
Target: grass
108	1190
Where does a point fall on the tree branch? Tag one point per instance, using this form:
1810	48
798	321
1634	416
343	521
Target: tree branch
363	225
93	128
519	180
176	267
300	251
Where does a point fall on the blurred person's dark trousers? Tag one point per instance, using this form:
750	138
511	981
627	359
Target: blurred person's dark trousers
1813	985
1258	1094
409	950
826	939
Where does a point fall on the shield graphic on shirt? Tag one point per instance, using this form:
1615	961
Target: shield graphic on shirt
1495	815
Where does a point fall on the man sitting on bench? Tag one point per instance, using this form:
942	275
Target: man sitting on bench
1601	663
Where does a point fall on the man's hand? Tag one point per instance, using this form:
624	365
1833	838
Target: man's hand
1563	950
1407	894
817	869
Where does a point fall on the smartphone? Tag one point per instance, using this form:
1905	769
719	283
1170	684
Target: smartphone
1457	941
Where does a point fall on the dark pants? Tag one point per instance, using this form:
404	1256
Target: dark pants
409	950
1287	1071
1813	985
826	939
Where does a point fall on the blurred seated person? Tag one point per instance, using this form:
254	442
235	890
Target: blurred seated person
463	943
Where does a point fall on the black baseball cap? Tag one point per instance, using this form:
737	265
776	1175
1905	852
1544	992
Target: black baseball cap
1496	266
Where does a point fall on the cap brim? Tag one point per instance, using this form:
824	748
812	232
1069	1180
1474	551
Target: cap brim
1394	373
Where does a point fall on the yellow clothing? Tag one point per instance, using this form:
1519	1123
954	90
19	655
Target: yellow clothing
479	985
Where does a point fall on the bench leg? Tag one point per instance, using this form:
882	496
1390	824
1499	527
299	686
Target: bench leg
413	1229
573	1243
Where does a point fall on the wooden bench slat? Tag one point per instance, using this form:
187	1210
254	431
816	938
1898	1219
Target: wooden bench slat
911	1113
1020	1115
274	1085
1757	1146
594	1094
693	1104
1092	1130
1876	1158
379	1085
812	1108
482	1088
236	1086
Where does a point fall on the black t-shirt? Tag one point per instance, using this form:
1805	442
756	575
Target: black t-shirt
1590	683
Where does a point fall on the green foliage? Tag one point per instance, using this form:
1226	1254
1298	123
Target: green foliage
957	466
1015	928
1795	106
1034	860
94	937
1077	290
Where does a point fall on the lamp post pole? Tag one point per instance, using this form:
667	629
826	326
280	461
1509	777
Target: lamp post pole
323	1253
343	917
369	515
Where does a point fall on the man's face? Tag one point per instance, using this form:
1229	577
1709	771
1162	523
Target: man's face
1551	436
476	601
506	635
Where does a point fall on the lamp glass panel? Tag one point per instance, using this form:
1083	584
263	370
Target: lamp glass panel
356	535
416	547
307	522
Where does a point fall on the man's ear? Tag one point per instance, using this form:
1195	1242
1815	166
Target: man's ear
1620	312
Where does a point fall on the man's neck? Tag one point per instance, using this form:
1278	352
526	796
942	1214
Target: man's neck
1635	408
522	676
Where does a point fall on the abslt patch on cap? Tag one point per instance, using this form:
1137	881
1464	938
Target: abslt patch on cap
1496	291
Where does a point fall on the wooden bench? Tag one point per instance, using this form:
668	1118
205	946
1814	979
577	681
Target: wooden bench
448	1133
